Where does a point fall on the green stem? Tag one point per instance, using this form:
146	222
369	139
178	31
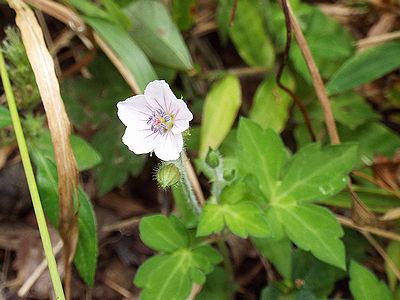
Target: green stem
187	186
30	177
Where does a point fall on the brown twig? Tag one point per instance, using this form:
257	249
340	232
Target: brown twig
60	12
121	225
376	231
282	65
315	75
360	211
117	288
378	39
372	180
233	13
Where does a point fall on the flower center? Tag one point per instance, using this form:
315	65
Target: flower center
160	122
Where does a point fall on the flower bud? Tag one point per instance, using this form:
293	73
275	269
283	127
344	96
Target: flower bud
212	158
168	175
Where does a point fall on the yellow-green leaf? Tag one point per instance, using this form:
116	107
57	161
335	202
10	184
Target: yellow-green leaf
220	109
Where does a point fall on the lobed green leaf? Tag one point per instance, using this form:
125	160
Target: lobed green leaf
317	172
162	233
314	228
261	153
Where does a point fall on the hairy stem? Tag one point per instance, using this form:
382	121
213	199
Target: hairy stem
187	185
30	177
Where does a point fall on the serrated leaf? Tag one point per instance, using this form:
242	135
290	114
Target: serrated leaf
317	172
249	36
234	192
364	285
205	258
158	36
243	219
261	153
5	117
365	66
220	109
126	49
278	252
211	220
162	233
171	276
314	228
165	277
270	107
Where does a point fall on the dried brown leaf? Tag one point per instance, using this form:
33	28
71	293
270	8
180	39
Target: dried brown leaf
60	12
60	129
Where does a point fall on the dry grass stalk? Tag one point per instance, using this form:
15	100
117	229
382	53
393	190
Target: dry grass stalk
383	254
60	129
60	12
194	180
316	78
360	211
376	231
23	291
378	39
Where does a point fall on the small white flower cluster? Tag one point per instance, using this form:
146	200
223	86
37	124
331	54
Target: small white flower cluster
155	121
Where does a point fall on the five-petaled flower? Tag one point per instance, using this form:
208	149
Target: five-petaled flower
155	121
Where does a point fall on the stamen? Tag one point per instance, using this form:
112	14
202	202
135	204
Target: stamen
160	122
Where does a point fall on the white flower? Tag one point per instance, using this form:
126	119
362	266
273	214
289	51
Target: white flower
155	121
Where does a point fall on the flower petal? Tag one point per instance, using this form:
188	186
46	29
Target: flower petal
169	147
159	95
182	116
134	111
140	141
